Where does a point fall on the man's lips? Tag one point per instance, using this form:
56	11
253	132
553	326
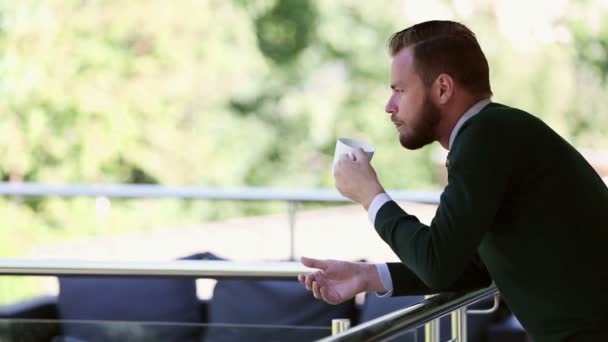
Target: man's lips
397	123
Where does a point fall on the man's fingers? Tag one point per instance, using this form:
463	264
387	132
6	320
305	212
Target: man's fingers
308	281
360	155
316	283
346	156
316	291
337	168
314	263
326	297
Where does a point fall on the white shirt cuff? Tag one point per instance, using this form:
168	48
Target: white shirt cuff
376	204
385	279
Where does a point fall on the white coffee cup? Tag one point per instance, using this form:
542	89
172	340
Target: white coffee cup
346	147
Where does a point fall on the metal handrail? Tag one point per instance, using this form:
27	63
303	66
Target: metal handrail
198	192
380	328
178	268
491	310
412	317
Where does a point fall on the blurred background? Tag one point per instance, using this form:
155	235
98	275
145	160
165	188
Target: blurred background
246	93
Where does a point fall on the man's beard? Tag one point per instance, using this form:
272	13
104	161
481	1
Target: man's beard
423	131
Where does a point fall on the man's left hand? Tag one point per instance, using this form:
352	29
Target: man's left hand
357	179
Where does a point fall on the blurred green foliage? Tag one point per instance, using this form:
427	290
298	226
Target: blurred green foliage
233	93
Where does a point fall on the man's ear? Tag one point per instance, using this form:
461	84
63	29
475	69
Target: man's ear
444	88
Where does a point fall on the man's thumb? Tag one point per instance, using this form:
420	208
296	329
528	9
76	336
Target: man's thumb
314	263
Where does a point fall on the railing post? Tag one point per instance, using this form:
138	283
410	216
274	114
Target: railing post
402	321
459	325
487	311
339	325
432	329
293	210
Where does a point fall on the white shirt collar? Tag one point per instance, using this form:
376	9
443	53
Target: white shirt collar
474	110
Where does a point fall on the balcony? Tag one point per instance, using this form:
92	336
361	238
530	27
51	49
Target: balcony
116	299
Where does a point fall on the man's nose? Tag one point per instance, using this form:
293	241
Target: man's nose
391	107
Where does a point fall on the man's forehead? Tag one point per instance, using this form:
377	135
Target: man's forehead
402	64
404	57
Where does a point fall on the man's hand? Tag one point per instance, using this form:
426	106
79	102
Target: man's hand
356	179
338	281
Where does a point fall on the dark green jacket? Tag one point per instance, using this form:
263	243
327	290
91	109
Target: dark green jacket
522	208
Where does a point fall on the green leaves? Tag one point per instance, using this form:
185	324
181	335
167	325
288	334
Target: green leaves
232	93
286	29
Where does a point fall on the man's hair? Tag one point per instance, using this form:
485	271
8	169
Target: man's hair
445	47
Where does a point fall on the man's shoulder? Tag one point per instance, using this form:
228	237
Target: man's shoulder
500	113
498	126
500	119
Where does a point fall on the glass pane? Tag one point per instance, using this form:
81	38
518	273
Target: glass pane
16	330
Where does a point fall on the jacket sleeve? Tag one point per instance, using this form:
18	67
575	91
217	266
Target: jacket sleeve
478	175
406	282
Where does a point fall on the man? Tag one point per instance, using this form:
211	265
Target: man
521	208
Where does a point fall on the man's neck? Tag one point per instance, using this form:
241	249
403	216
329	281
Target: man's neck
452	115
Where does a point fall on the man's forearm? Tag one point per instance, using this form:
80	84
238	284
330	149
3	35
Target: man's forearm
406	282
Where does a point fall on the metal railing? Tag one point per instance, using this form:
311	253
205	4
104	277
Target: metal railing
292	196
404	320
381	328
178	268
198	192
427	312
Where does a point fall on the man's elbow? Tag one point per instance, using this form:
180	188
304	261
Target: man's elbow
437	280
446	281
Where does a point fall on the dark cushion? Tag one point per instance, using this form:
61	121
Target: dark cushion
130	299
374	307
284	303
43	307
16	325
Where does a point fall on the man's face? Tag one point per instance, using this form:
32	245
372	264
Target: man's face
412	110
